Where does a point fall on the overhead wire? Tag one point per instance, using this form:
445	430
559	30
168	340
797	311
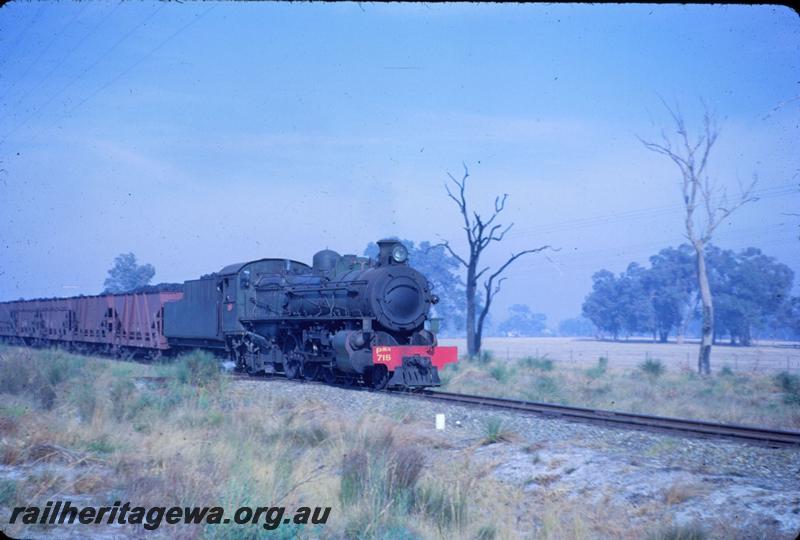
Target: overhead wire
63	59
39	56
142	59
21	35
134	64
94	64
579	223
595	258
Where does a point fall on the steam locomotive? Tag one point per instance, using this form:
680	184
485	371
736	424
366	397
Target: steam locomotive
344	318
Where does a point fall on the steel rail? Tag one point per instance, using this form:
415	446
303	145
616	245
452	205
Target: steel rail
770	437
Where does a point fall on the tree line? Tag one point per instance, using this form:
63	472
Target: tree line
752	293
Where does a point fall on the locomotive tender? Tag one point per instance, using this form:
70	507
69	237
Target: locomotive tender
345	318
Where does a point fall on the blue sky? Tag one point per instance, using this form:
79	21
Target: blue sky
198	134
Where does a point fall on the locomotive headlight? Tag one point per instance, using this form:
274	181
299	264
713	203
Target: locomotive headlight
400	253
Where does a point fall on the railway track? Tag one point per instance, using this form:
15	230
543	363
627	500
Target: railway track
679	426
676	426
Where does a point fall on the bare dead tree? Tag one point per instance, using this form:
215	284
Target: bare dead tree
705	205
480	234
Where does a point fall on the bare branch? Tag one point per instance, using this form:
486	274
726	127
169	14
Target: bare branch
711	134
490	293
721	214
483	271
450	194
499	204
461	201
446	245
503	232
511	260
665	150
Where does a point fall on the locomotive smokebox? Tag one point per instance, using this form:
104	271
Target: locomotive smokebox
398	297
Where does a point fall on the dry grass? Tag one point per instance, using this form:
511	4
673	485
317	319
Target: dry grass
647	386
194	440
682	491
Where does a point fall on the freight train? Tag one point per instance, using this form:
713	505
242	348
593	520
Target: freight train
345	318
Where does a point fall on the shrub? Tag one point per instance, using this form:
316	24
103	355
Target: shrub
381	473
197	368
599	370
303	436
121	394
164	402
726	371
100	445
46	396
405	467
494	431
16	374
145	401
542	363
58	366
354	477
446	505
486	357
594	392
544	388
84	398
38	375
790	384
445	377
501	373
652	367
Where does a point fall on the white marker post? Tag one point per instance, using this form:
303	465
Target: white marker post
440	422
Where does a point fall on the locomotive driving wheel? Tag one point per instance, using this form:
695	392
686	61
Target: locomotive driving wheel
292	358
292	367
311	371
377	377
328	375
